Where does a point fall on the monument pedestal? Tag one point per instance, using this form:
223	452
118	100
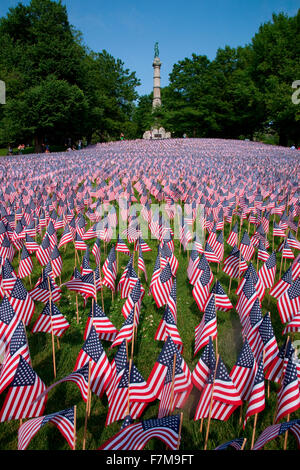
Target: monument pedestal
156	134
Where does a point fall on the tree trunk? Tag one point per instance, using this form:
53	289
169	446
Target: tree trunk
38	140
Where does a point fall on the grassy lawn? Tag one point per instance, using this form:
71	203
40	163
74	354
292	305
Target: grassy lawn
146	351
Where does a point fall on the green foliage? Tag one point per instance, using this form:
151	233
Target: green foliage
56	88
244	91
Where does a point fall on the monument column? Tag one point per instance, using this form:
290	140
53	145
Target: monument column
156	82
156	132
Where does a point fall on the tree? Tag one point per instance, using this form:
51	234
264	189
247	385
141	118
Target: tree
275	66
56	87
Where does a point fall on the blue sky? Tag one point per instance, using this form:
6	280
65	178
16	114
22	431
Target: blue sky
128	29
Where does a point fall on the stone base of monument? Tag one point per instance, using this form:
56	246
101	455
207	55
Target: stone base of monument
156	134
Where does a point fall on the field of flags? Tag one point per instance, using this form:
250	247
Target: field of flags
126	327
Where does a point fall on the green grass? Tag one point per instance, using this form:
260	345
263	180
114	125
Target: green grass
146	351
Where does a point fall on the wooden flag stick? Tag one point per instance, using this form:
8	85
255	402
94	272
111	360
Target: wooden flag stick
74	444
94	276
244	442
128	395
210	406
201	424
241	414
180	428
254	430
87	407
172	386
286	434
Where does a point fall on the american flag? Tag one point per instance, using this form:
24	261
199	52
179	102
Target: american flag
143	245
17	347
246	248
51	232
221	392
177	386
42	292
66	237
79	244
167	327
121	246
204	366
21	302
85	285
85	267
102	324
276	430
200	290
234	443
24	388
269	343
167	256
262	253
96	251
127	281
223	302
198	269
288	303
109	269
283	284
277	366
232	239
161	288
80	377
136	436
258	284
157	376
51	320
44	252
25	265
293	326
210	254
234	265
268	271
118	364
127	329
56	262
141	263
288	397
172	299
193	262
278	231
244	371
285	250
93	351
8	323
123	399
292	241
134	299
64	421
207	328
257	394
31	245
246	299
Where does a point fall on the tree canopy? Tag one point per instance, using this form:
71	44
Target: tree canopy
56	88
242	93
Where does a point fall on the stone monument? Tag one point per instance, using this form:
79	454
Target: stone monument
156	132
